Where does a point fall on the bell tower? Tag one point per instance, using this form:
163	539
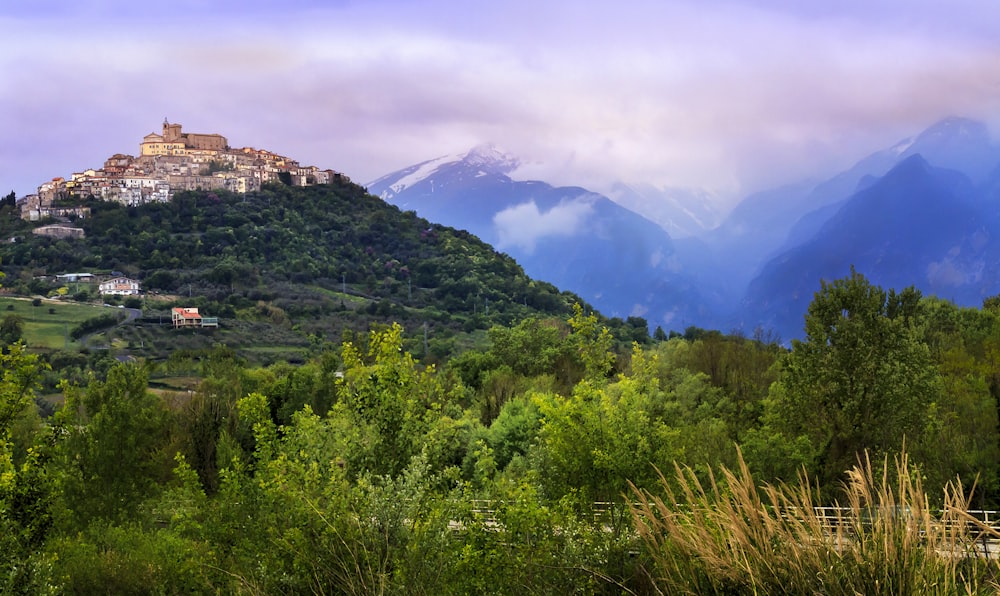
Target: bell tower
171	132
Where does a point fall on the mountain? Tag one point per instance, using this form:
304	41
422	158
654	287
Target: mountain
574	238
918	225
444	189
681	212
770	222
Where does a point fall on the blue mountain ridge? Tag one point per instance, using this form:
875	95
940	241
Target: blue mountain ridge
767	223
918	225
622	263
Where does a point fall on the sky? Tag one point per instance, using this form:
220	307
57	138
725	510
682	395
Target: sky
728	96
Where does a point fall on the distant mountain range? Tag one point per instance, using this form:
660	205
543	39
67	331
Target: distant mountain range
921	212
621	262
915	214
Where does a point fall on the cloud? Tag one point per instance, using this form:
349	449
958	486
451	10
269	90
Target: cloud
732	96
522	226
945	273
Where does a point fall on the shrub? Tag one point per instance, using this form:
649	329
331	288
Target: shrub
132	560
94	324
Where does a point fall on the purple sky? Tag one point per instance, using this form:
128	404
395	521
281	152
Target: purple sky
731	96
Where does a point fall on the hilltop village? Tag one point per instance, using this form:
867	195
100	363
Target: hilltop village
170	161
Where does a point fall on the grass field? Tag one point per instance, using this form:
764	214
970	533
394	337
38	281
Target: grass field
48	325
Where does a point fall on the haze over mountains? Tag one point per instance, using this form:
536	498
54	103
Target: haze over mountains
921	212
574	238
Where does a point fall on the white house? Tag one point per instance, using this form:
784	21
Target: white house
119	286
75	277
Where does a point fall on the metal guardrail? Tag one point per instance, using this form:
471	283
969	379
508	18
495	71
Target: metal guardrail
982	527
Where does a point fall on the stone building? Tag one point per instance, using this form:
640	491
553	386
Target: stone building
175	142
59	231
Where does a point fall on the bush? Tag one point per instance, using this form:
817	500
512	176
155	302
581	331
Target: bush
132	560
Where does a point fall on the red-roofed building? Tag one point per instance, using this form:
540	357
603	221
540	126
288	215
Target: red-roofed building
190	317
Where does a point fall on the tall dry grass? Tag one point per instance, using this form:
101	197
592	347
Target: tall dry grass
733	537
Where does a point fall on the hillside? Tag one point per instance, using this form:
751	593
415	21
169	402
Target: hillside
287	267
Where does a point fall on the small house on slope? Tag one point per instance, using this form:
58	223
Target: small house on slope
190	317
119	286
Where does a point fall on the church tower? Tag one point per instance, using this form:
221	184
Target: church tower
171	132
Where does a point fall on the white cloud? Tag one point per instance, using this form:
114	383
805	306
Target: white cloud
946	273
639	310
522	226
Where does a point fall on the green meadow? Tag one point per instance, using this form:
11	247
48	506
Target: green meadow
48	325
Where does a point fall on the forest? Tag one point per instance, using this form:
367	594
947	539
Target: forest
426	419
555	459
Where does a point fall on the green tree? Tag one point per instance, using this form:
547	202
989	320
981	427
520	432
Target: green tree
390	399
596	441
19	374
209	426
530	348
11	329
593	343
26	489
115	454
961	437
861	379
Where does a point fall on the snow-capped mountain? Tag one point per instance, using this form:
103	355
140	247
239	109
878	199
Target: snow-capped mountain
488	158
579	240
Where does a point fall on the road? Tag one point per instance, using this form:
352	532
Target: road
131	314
